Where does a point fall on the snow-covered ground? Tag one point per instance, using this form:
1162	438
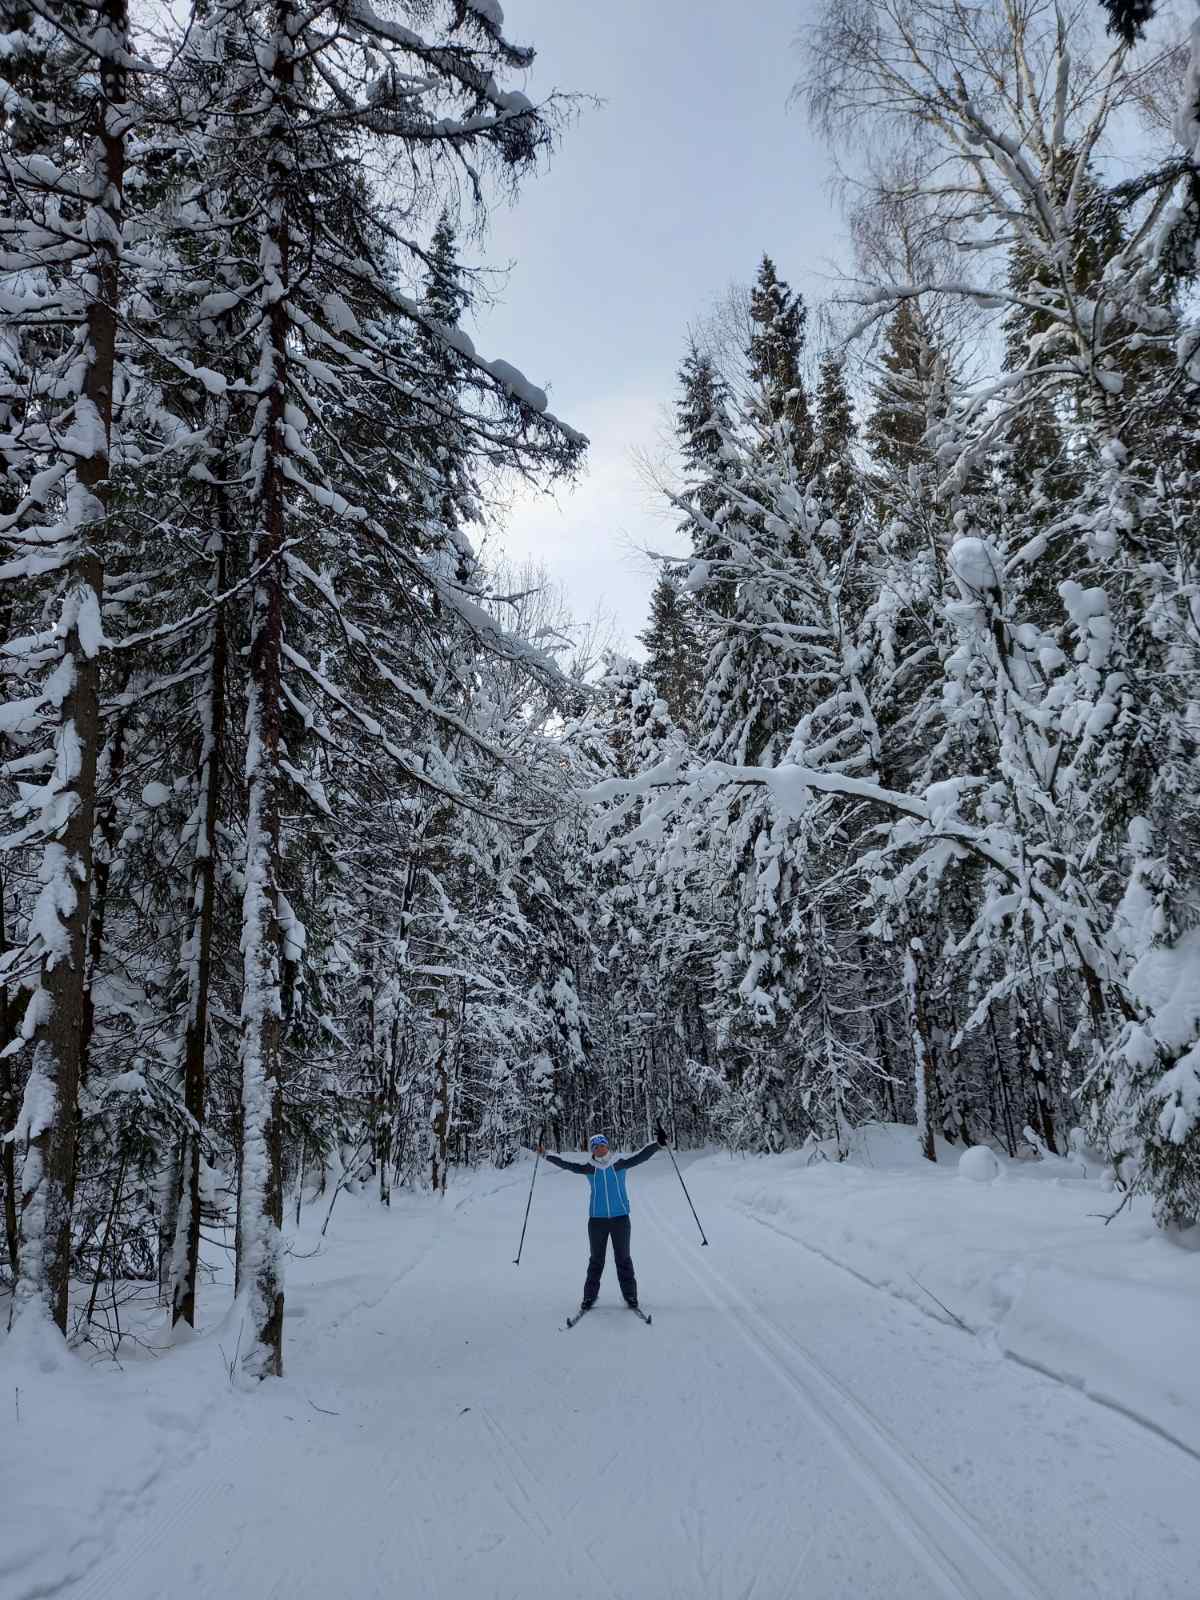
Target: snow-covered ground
802	1419
1025	1260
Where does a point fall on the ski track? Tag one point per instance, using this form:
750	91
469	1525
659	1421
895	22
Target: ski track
512	1466
956	1325
939	1532
154	1532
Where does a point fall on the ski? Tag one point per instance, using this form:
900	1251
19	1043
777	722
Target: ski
637	1311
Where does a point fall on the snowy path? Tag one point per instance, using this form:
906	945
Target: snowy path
782	1430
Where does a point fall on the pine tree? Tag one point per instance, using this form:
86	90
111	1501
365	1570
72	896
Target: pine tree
703	428
909	395
446	298
674	656
702	423
776	356
297	462
832	459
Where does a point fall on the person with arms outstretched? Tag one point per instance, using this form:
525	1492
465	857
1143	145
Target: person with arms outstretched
608	1212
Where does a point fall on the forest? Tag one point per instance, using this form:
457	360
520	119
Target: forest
335	857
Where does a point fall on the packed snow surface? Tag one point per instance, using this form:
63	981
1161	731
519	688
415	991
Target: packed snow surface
879	1382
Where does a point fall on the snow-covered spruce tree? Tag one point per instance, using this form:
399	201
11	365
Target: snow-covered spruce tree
804	566
63	143
702	427
674	657
781	678
748	710
910	400
327	425
775	359
182	490
906	641
832	462
638	897
318	302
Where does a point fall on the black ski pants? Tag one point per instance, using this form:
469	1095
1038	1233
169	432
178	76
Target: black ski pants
600	1231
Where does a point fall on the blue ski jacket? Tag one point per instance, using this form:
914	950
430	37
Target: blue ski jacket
609	1195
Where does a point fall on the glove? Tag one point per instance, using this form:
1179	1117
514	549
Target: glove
660	1133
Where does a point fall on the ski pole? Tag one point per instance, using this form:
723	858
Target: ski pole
529	1202
684	1187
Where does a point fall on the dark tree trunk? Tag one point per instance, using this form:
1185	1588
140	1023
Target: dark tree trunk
8	1105
924	1067
441	1101
105	829
186	1255
260	1208
47	1171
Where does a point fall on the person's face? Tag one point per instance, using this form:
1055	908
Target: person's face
599	1151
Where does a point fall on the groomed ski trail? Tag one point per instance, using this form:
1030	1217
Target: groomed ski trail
787	1433
961	1562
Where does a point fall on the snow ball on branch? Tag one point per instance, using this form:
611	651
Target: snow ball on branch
339	315
790	790
944	798
1084	605
155	795
128	1083
977	565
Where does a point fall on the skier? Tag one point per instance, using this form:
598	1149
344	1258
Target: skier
608	1213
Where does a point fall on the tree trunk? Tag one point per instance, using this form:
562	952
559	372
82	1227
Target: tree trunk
47	1123
8	1106
1028	1043
110	764
441	1101
259	1275
382	1092
185	1256
648	1086
1010	1133
924	1081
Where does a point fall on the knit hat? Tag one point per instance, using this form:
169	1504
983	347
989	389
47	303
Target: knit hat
597	1138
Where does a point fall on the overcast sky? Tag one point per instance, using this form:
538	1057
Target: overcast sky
652	205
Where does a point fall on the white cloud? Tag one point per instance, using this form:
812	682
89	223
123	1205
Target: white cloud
590	536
